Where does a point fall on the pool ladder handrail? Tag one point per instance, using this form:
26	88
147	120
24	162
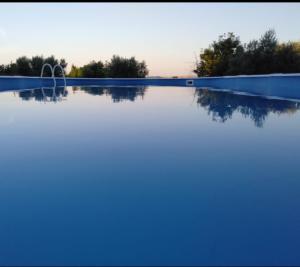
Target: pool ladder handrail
53	72
54	97
62	72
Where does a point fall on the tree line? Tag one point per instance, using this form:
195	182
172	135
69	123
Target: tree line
30	66
228	56
117	67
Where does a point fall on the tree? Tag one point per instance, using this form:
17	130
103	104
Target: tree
23	66
209	61
119	67
267	50
9	69
215	60
287	59
53	61
36	65
93	70
75	72
228	57
31	67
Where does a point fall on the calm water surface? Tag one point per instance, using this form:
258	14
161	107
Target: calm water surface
148	176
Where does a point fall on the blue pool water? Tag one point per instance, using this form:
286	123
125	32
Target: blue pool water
148	176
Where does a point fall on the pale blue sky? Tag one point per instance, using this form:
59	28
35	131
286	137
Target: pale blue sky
165	35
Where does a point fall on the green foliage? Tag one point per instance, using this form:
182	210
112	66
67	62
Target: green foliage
216	59
9	69
75	72
117	67
30	67
36	65
120	67
92	70
228	57
288	57
23	66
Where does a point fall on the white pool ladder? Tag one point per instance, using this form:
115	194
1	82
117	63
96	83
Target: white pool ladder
62	72
53	72
54	96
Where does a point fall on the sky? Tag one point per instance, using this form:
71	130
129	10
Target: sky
167	36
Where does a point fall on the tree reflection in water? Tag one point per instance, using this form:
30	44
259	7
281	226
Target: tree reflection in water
222	105
117	94
44	94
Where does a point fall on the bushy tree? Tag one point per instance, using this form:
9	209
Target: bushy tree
228	57
23	66
36	65
31	67
215	60
75	72
93	70
53	61
288	58
9	69
119	67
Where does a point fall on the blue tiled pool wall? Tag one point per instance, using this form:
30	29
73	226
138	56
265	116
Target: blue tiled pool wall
285	85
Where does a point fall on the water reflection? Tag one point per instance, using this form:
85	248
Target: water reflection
117	94
222	105
44	94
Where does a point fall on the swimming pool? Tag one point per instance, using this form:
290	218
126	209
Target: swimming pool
276	86
148	175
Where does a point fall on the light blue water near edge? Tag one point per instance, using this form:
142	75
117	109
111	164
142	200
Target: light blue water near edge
148	176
